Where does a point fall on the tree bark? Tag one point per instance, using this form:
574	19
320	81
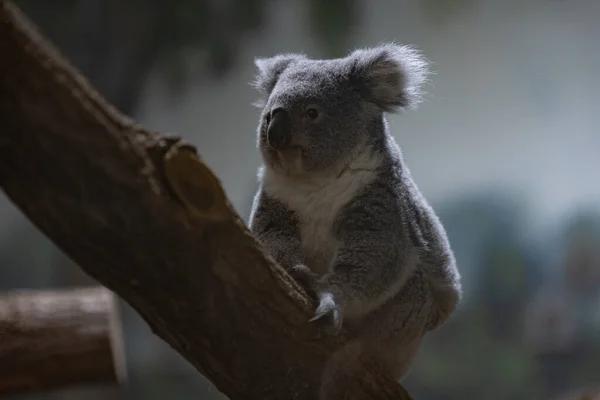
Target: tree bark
142	214
56	339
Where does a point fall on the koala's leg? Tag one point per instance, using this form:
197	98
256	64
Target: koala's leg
398	327
340	371
395	331
389	338
347	365
446	299
398	354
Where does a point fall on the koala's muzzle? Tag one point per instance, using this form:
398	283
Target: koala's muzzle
279	131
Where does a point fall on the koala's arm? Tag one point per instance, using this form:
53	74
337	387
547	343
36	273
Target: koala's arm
276	228
375	258
437	261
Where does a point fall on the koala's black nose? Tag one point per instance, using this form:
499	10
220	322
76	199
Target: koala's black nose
279	131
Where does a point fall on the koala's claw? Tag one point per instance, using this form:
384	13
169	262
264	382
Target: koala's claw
307	279
328	314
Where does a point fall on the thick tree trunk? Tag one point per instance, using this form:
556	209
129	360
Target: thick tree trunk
145	217
57	339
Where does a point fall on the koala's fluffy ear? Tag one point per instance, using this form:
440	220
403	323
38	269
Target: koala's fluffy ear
269	70
390	76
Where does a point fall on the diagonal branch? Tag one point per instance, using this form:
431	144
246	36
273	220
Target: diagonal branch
143	215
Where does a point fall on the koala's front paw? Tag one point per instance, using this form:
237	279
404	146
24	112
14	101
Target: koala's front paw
328	314
306	278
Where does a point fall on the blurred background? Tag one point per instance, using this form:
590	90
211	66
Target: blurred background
506	147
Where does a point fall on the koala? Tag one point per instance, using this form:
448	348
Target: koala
337	206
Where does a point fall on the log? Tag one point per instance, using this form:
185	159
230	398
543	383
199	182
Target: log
57	339
142	214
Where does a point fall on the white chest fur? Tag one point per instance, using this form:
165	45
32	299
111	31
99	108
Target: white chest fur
317	201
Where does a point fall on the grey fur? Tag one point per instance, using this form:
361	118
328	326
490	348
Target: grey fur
339	208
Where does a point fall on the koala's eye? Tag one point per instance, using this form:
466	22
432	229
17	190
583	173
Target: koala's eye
267	118
312	113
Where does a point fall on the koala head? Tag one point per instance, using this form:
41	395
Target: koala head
316	112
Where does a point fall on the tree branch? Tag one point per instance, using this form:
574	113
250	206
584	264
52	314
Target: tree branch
143	215
55	339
